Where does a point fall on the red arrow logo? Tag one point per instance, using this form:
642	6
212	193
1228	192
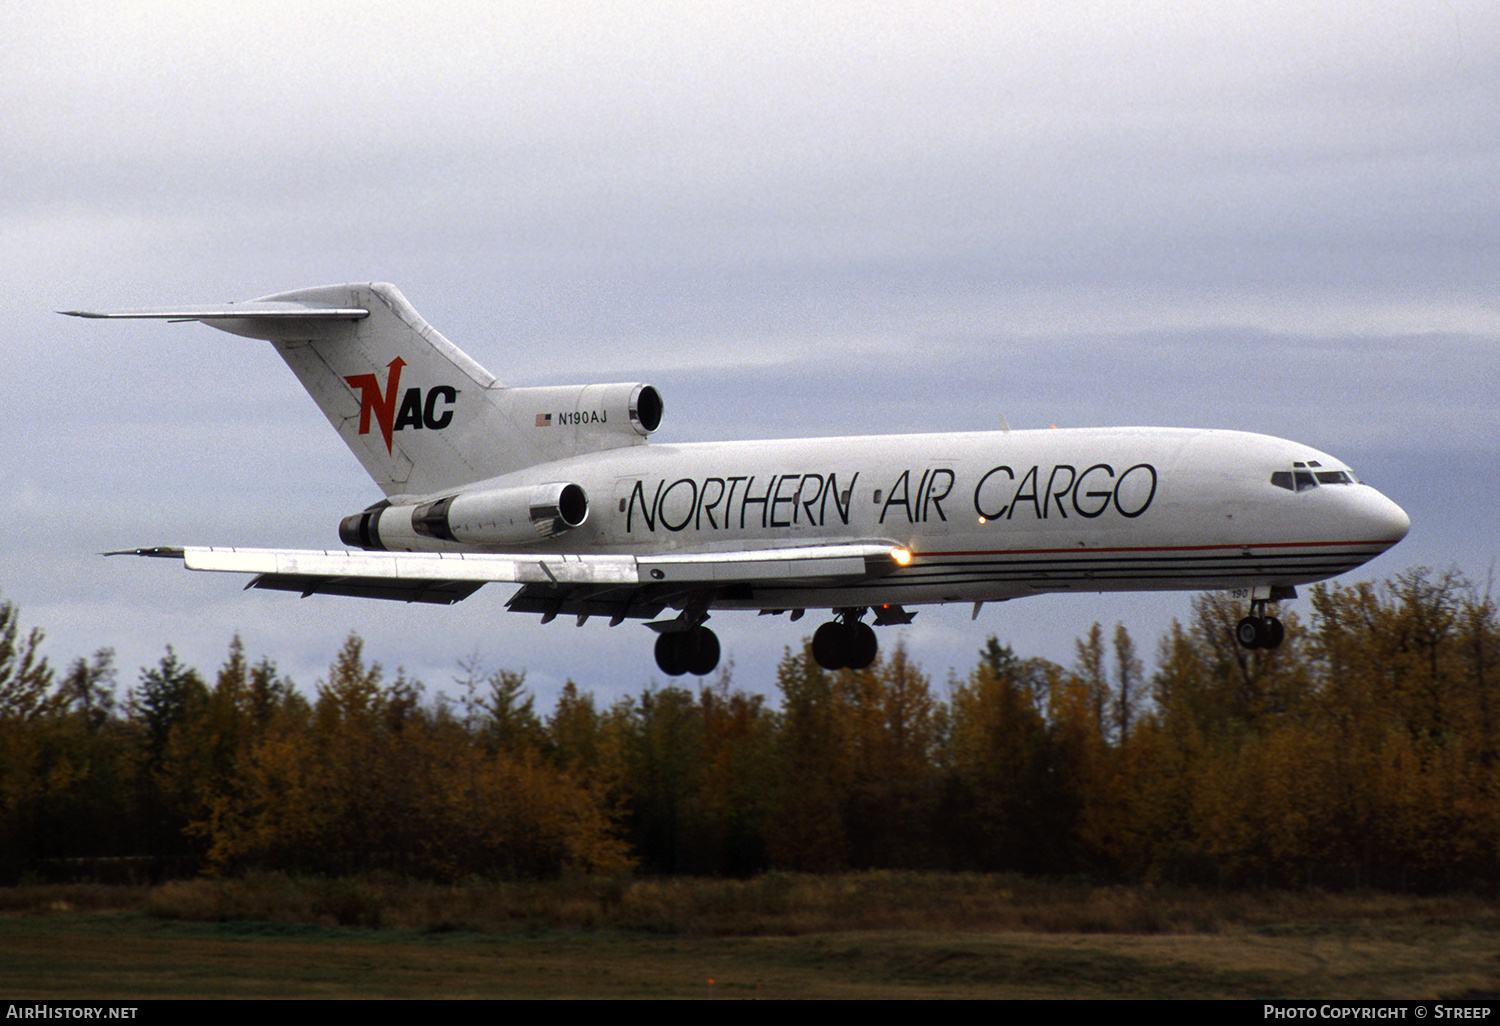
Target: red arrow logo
371	399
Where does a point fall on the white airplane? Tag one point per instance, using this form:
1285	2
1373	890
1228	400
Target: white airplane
557	490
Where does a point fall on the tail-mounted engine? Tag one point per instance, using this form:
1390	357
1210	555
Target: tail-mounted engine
500	516
631	411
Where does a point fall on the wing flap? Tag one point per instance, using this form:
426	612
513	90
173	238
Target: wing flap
435	592
617	604
853	561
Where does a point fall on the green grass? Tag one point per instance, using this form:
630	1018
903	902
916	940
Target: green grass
858	935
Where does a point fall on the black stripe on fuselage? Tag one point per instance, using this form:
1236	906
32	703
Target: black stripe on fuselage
1267	559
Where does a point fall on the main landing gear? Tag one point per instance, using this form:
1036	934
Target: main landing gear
694	650
1259	630
845	642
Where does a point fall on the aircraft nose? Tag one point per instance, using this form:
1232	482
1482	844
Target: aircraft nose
1384	521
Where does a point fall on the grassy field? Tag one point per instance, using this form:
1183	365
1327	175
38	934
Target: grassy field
859	935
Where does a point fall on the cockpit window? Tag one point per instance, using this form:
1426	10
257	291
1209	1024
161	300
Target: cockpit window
1303	476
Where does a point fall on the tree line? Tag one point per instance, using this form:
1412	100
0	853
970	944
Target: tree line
1362	752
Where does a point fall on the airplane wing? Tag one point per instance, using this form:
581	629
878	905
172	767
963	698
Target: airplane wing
552	583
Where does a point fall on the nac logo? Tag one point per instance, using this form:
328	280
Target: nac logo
414	411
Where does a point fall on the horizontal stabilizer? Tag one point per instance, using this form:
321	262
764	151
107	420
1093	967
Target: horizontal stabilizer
261	310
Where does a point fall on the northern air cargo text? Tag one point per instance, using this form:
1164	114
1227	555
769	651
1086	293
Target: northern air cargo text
916	496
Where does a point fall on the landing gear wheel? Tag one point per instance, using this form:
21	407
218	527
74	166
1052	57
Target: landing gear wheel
829	648
862	645
701	647
693	651
669	655
838	646
1255	632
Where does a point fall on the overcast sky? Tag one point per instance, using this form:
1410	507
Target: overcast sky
794	219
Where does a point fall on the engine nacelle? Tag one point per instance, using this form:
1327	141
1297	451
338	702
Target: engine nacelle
504	515
499	516
629	410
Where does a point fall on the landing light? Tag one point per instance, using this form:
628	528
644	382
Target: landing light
901	556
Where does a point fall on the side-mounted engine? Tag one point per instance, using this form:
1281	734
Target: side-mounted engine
498	516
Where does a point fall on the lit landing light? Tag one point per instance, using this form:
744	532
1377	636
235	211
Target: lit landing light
901	556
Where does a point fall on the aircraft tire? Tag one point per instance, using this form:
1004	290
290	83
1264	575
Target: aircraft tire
671	654
1275	633
701	651
829	646
1250	632
862	645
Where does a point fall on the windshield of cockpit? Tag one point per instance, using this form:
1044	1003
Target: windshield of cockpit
1307	475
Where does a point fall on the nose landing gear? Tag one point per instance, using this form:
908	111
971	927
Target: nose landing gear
1259	630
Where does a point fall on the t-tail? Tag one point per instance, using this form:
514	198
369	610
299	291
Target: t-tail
418	412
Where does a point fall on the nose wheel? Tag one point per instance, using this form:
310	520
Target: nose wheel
1259	630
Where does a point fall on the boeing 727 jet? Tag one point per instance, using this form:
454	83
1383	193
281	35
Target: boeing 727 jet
557	490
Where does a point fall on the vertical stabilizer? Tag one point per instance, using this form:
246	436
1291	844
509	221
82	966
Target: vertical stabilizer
420	415
417	411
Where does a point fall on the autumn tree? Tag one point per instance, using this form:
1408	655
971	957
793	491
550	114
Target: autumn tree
25	678
662	735
216	748
738	777
998	753
371	777
807	831
65	763
88	687
887	726
499	709
1127	694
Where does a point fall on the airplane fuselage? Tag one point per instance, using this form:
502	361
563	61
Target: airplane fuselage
985	515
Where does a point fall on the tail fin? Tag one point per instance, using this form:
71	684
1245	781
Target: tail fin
421	416
412	406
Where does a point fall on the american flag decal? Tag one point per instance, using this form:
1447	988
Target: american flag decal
544	420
